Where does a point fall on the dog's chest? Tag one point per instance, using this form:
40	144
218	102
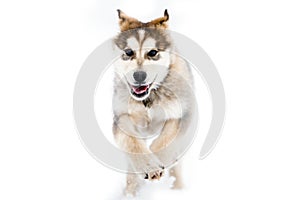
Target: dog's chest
154	113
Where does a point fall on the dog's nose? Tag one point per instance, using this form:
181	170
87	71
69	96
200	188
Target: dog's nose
139	76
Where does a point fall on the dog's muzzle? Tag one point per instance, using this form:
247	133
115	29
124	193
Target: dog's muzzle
140	89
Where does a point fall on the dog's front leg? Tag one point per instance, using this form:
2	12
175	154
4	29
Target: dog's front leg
167	136
141	158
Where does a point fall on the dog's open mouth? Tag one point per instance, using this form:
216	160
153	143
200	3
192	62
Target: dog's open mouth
140	90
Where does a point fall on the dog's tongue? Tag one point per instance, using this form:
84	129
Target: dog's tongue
140	89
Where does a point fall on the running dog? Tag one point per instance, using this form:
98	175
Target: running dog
152	98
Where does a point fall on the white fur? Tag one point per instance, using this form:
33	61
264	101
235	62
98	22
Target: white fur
149	43
170	110
141	33
133	43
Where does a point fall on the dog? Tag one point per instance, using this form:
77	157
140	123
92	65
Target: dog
152	98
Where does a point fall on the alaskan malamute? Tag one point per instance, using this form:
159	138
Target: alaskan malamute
152	98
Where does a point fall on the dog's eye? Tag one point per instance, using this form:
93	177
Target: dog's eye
152	53
129	52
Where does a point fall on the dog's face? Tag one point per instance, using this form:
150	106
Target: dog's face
145	54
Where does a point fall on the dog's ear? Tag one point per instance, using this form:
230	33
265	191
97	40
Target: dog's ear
126	22
160	22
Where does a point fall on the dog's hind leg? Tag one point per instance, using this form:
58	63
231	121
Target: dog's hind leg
133	183
130	145
176	173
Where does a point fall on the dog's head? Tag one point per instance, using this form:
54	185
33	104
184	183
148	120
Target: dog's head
145	54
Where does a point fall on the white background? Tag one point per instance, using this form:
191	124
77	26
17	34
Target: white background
255	46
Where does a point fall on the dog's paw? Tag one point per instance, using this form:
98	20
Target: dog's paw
156	174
